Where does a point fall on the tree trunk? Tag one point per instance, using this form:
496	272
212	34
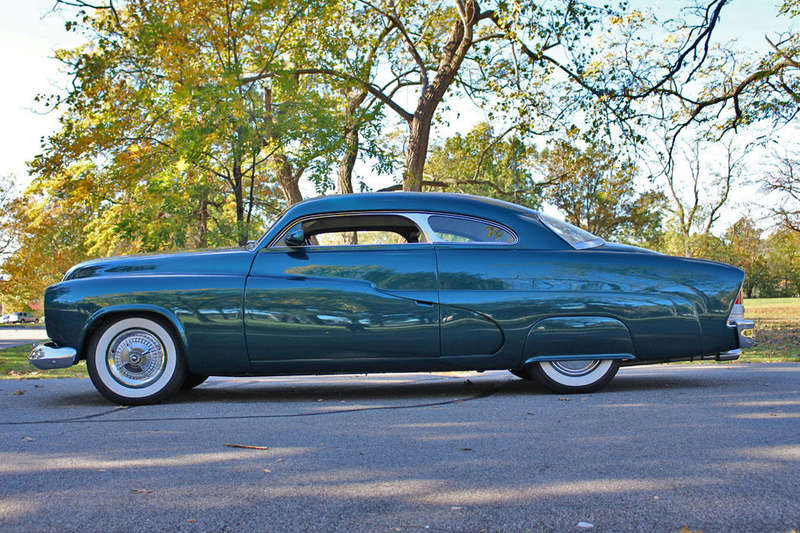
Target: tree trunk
459	41
241	230
417	150
346	170
351	140
348	161
287	179
202	221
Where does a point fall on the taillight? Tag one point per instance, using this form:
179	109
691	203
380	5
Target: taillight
737	310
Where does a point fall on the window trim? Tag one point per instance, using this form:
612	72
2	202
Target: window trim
437	240
420	218
273	244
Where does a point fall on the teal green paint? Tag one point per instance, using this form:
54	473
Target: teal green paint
342	302
408	307
578	336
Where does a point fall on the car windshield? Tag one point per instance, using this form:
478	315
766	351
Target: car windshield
574	235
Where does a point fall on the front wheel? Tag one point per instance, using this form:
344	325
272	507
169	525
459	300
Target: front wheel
573	376
135	361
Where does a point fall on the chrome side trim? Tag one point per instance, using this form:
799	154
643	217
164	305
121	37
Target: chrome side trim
581	357
49	356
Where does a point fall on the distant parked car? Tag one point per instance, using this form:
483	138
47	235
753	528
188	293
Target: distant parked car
22	318
5	319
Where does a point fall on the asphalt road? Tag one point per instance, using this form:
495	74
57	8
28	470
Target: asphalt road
14	336
713	448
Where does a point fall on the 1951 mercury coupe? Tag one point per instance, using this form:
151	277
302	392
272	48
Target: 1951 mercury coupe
392	282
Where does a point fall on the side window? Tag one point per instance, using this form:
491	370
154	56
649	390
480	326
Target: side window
342	238
457	229
343	230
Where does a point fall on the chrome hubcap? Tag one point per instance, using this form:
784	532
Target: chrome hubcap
136	358
576	368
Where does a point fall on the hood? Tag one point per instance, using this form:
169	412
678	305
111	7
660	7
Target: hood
225	261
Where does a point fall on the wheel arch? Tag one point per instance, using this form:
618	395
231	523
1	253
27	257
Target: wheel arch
105	315
560	338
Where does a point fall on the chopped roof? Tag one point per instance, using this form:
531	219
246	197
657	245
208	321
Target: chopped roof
524	221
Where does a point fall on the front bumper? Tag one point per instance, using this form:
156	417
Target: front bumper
745	331
49	356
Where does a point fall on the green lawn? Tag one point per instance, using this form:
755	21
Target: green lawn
777	329
777	340
14	365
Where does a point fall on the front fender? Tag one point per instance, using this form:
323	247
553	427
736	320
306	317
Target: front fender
204	310
166	314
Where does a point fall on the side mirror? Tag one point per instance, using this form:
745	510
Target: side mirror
295	238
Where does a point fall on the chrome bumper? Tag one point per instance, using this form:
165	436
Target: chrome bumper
745	331
49	356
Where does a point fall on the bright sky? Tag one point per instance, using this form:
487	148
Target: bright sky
30	32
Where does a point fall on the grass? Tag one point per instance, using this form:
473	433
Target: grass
777	340
777	329
14	365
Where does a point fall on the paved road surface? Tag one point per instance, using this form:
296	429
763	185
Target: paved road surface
12	336
714	448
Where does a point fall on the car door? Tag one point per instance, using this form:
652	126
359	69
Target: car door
471	299
331	301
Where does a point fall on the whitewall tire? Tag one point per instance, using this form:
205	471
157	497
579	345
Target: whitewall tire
134	361
585	375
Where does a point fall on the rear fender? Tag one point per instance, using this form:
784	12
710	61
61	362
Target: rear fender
578	337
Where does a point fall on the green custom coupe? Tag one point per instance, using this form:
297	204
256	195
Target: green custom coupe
392	282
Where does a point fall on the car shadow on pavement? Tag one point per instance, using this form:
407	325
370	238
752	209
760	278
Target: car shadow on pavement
464	388
372	388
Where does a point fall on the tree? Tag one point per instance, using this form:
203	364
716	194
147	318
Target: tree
158	90
9	223
537	63
595	188
745	249
784	179
352	45
699	194
486	164
429	41
767	88
783	258
49	239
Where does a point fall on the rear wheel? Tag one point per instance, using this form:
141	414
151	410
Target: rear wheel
134	361
584	375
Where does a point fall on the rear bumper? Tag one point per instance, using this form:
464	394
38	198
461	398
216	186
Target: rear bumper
49	356
745	332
